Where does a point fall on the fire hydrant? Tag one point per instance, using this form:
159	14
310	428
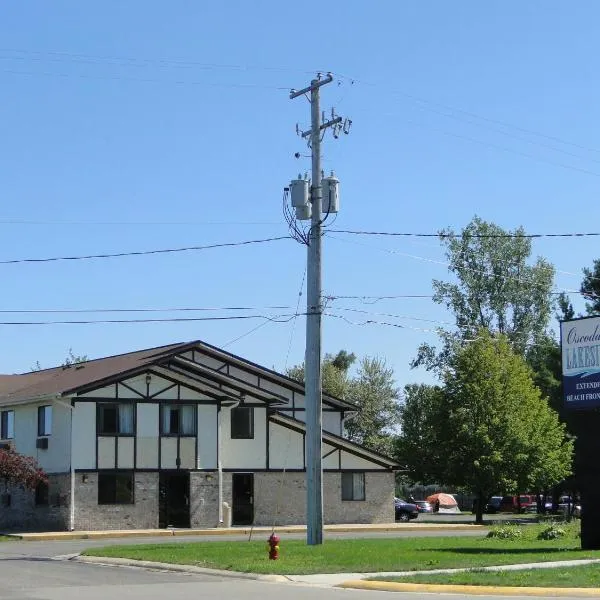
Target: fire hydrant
273	542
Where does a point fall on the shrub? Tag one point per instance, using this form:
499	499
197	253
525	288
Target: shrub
552	532
506	532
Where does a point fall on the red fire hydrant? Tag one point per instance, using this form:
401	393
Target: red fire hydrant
273	546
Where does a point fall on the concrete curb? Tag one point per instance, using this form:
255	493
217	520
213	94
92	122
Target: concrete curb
147	564
480	590
136	533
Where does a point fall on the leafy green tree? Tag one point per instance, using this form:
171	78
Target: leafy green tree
496	432
496	288
418	449
334	373
376	397
590	288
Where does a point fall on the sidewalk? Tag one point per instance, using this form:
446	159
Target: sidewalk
381	528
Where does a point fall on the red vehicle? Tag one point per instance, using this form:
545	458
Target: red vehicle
515	504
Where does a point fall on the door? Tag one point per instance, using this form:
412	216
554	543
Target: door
174	499
243	498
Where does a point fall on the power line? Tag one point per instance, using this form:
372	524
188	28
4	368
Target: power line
276	319
287	354
487	119
137	310
256	86
128	61
9	221
144	252
468	235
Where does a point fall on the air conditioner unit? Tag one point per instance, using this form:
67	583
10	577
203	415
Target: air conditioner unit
42	443
5	446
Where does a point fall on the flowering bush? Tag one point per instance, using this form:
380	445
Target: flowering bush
16	469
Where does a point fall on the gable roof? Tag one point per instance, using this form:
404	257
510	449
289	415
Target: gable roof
336	441
66	380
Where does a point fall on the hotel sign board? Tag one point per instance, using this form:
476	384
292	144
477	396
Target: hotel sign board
580	350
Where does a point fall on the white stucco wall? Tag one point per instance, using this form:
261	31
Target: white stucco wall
285	448
207	437
84	435
245	454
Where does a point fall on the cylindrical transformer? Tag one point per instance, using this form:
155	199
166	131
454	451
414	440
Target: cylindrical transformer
299	192
304	212
331	194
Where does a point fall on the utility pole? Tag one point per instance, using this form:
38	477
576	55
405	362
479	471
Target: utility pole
314	310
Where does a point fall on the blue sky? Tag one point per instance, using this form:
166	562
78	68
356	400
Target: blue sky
129	126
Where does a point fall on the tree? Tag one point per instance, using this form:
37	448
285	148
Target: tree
16	469
334	373
372	390
376	397
494	430
71	359
496	289
417	448
590	288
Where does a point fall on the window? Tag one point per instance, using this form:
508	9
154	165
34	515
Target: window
7	424
353	486
115	419
41	494
115	488
242	423
44	420
178	419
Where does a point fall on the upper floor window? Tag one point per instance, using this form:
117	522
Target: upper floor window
242	423
7	424
44	420
178	419
115	419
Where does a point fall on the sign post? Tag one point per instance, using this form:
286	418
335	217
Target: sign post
580	353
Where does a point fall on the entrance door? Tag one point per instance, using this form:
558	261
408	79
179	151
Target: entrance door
243	499
174	499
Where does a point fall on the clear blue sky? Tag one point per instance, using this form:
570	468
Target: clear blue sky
135	125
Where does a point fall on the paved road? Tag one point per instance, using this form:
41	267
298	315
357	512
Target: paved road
28	571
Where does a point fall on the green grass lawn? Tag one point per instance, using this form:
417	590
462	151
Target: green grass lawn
360	555
584	576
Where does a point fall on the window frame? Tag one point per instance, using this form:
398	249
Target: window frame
353	496
178	406
234	435
42	431
100	406
5	421
101	496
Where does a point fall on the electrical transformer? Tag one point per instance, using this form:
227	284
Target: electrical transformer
331	197
299	192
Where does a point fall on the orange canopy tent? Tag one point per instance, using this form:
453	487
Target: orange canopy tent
445	500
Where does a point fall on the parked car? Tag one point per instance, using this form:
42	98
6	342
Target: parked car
566	505
522	503
423	506
405	511
493	506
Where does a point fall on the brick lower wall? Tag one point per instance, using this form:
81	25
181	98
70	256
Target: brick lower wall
143	514
24	515
280	499
204	498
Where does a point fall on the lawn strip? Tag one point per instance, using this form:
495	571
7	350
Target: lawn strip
584	576
356	555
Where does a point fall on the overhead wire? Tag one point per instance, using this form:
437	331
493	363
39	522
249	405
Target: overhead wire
144	252
285	318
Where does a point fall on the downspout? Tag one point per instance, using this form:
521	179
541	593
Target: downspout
228	403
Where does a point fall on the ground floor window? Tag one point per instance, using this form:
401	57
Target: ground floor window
115	488
353	486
